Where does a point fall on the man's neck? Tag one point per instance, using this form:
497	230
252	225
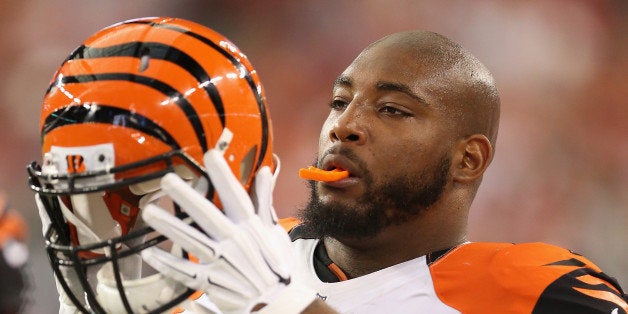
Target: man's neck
393	245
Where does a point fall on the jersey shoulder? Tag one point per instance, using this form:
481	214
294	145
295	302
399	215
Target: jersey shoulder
289	223
527	277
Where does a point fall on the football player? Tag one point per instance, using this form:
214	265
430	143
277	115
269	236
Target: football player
412	128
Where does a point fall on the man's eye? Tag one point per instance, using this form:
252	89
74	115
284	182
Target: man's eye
337	104
393	111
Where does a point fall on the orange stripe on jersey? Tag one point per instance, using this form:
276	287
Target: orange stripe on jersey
604	295
502	277
289	223
196	295
178	310
593	281
337	271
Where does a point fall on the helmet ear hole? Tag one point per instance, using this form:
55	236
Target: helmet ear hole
246	165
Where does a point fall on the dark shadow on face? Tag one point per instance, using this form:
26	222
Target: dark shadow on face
389	202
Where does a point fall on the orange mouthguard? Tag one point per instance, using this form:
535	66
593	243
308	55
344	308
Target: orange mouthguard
316	174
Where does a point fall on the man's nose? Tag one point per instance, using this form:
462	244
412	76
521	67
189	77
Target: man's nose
350	126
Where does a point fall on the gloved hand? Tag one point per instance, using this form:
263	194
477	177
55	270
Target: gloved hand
244	256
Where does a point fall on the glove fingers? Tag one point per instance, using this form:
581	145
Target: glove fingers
228	289
237	249
274	245
180	233
174	267
218	277
227	301
263	190
204	212
223	274
236	202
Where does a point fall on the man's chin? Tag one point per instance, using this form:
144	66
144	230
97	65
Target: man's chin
342	219
336	203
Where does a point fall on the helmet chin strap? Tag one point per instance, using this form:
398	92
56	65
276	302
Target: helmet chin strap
85	233
91	207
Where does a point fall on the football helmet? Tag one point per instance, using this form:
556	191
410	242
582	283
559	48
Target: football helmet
135	101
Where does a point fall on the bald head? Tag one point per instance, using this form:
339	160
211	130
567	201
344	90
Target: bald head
452	76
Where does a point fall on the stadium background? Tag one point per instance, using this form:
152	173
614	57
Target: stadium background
560	173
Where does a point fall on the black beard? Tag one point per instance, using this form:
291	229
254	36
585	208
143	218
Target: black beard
392	202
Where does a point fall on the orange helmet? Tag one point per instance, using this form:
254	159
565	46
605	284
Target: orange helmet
136	100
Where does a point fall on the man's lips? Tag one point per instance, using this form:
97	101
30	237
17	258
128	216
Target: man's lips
342	183
337	161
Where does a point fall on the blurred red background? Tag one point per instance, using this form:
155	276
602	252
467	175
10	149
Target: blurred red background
559	175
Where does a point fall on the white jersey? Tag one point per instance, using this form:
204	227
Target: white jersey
402	288
480	277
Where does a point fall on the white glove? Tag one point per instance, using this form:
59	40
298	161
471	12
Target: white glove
245	257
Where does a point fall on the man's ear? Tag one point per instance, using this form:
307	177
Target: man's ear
472	157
